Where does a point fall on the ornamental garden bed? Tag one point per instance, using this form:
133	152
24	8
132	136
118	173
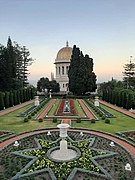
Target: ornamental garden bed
100	111
98	159
129	135
5	134
60	111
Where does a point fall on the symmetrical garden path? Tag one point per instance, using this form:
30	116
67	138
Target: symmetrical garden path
85	108
124	144
6	111
46	109
124	111
66	121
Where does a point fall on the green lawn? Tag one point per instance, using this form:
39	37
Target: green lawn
120	123
11	122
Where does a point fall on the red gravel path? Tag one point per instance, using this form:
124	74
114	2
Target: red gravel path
124	111
66	121
124	144
47	109
87	111
6	111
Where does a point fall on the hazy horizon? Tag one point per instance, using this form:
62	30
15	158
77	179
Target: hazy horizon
102	29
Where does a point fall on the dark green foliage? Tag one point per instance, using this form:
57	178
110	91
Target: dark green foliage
14	62
78	120
93	120
107	121
115	93
11	99
129	75
40	120
2	104
21	96
29	117
26	119
103	117
6	99
15	97
82	79
44	84
54	120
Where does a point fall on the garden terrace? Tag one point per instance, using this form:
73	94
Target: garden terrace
105	112
98	159
5	135
129	135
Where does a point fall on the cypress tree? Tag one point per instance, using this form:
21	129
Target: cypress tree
6	99
18	96
15	97
2	105
21	96
11	100
82	79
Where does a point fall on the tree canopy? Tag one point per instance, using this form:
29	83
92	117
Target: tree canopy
129	75
14	62
44	84
82	79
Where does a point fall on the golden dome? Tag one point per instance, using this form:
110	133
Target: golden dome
64	53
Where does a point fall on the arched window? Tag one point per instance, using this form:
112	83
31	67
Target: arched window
62	70
56	71
67	67
59	70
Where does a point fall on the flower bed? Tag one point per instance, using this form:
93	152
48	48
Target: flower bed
98	159
61	106
5	134
129	135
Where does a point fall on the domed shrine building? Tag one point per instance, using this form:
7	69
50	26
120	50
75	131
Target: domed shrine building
62	63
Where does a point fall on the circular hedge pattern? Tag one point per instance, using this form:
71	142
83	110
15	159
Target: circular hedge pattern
98	160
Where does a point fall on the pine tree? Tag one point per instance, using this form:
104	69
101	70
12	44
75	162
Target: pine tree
129	74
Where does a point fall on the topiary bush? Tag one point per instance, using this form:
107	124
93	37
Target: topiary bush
93	120
54	120
78	120
107	121
29	117
40	120
103	117
26	119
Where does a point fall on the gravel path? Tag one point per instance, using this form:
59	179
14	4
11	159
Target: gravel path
124	111
6	111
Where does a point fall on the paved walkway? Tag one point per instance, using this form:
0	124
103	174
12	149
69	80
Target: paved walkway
87	111
46	109
124	144
6	111
66	121
124	111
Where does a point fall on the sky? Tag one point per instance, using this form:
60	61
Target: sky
103	29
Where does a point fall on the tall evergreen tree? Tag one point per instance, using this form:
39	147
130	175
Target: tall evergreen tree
82	79
129	75
14	62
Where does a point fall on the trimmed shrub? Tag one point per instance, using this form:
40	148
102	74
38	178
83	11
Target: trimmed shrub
93	120
54	120
78	120
107	121
40	120
103	117
26	119
29	117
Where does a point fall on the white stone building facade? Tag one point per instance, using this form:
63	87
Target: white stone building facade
62	63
